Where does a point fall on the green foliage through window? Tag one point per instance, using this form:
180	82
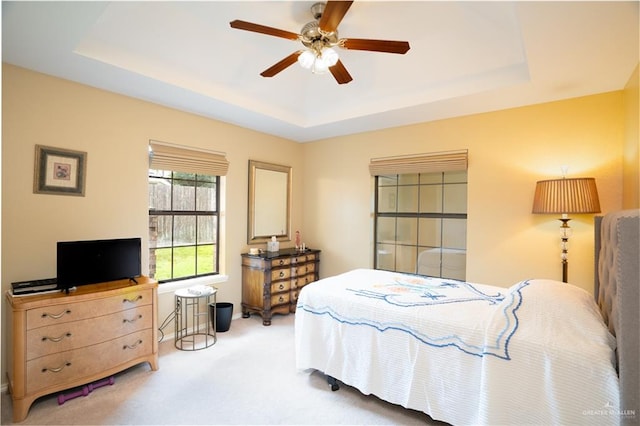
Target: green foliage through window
183	225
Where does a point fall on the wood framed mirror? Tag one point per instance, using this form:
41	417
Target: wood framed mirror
269	202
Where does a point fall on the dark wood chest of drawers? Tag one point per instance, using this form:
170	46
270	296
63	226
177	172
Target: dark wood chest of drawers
271	281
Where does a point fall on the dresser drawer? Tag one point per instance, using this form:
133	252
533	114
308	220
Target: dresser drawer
63	367
280	274
285	261
63	313
303	269
280	299
73	335
298	259
308	279
280	286
300	282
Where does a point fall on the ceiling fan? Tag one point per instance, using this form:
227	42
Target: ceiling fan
319	37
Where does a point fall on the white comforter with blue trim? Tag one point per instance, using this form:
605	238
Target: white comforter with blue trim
535	353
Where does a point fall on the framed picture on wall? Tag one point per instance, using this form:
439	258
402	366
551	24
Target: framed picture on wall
59	171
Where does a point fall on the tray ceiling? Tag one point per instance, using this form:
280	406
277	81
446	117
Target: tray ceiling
465	58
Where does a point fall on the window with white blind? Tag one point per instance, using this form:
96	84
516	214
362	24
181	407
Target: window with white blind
184	211
421	218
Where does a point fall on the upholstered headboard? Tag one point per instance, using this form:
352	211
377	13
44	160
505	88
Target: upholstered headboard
617	291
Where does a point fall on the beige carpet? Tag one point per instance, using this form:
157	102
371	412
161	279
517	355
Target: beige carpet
248	377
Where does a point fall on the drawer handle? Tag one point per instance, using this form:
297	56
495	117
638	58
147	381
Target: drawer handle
57	369
281	299
56	316
56	339
132	320
281	287
135	345
281	274
132	300
281	261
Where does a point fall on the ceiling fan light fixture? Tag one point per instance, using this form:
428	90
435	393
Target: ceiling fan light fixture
330	56
306	59
318	38
320	66
318	62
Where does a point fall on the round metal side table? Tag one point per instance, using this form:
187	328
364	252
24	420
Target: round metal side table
195	328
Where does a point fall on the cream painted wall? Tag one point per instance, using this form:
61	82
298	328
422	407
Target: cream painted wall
114	130
631	167
508	152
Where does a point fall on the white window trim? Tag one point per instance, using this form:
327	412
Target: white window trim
171	287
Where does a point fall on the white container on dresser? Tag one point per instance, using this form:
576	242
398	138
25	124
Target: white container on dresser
60	341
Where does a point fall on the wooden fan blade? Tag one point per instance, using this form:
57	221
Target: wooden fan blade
387	46
340	73
286	62
333	13
257	28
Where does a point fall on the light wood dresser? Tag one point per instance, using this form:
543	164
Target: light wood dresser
271	281
60	341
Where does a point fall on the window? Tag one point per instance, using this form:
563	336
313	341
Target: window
421	223
183	225
184	211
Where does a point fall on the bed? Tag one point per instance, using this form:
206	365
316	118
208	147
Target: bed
539	352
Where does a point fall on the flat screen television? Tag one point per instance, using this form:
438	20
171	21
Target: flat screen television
94	261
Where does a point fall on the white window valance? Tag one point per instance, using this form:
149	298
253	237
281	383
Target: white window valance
445	161
167	156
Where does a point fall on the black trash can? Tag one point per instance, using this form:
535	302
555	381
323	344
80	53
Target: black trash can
224	312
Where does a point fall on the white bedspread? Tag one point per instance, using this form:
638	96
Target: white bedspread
535	353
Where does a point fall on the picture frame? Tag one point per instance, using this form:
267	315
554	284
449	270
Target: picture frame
59	171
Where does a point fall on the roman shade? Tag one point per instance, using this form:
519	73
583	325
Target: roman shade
166	156
445	161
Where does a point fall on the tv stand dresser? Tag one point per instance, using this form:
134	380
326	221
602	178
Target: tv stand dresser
61	341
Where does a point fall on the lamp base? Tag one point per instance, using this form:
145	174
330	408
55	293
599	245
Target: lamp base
565	232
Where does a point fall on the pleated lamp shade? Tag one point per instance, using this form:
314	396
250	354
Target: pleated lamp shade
577	195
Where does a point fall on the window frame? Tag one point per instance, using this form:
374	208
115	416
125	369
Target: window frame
414	215
215	180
